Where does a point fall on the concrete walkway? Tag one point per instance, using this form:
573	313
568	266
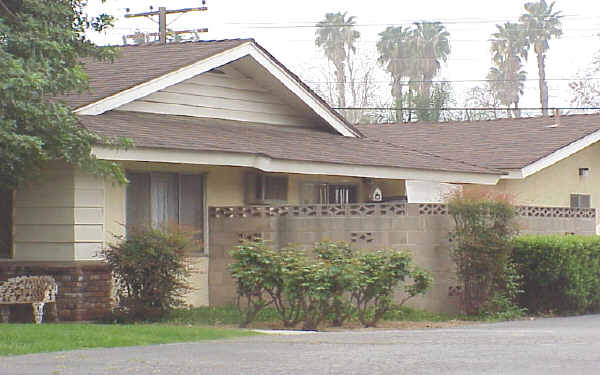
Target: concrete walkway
545	346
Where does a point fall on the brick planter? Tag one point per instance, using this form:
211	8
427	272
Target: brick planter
84	288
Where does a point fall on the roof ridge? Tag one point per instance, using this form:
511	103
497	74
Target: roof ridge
241	40
511	119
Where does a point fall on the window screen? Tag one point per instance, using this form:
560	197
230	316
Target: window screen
580	201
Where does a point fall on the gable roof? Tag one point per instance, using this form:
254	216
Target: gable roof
159	131
527	144
141	70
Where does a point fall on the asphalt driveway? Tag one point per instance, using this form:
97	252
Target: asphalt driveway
544	346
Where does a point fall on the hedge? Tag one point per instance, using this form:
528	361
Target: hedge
561	274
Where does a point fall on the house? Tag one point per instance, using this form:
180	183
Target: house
547	161
231	143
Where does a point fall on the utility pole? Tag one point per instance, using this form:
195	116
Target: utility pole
162	20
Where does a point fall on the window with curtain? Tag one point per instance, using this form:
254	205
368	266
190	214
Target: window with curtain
163	199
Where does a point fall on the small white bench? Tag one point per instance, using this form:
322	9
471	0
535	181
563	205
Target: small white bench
34	290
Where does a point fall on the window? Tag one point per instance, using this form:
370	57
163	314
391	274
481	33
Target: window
584	172
265	188
580	201
323	193
161	199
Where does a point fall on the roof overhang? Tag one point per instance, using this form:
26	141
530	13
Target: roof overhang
268	164
554	157
246	49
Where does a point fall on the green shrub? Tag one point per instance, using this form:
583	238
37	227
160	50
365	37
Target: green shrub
149	267
377	275
256	270
331	285
561	274
341	273
481	248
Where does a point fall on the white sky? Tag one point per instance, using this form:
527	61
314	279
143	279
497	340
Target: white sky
285	29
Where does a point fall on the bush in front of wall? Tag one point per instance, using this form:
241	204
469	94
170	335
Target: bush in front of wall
561	274
332	285
481	247
149	268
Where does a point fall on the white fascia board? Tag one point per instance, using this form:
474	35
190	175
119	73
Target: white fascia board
212	62
560	154
513	174
166	80
268	164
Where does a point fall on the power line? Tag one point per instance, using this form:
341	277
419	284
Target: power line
465	108
465	80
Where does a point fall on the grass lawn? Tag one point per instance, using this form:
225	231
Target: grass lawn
29	338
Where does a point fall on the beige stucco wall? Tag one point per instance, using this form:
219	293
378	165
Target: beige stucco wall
552	186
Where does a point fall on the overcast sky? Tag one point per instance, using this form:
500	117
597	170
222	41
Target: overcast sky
285	28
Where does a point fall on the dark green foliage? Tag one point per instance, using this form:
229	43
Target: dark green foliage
378	274
256	270
42	44
332	285
149	268
481	248
561	274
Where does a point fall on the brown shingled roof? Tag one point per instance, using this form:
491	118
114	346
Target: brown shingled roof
203	134
500	144
139	64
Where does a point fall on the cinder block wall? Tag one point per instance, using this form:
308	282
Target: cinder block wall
421	229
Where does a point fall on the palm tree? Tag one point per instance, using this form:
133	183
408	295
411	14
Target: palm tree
432	46
509	47
542	24
336	35
395	49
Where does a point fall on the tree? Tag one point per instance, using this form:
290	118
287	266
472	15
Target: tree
429	107
542	24
396	55
336	36
507	77
586	91
432	46
481	97
415	55
42	44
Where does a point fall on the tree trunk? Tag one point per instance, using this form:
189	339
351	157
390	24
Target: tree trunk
398	103
341	84
542	82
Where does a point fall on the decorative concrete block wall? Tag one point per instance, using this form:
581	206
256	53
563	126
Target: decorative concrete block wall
421	229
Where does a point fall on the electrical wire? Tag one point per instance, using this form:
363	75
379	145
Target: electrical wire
465	108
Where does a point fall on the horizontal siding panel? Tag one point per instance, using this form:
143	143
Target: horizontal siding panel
87	181
44	215
44	233
89	198
45	197
87	250
224	92
44	251
219	103
184	110
89	233
89	215
222	81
